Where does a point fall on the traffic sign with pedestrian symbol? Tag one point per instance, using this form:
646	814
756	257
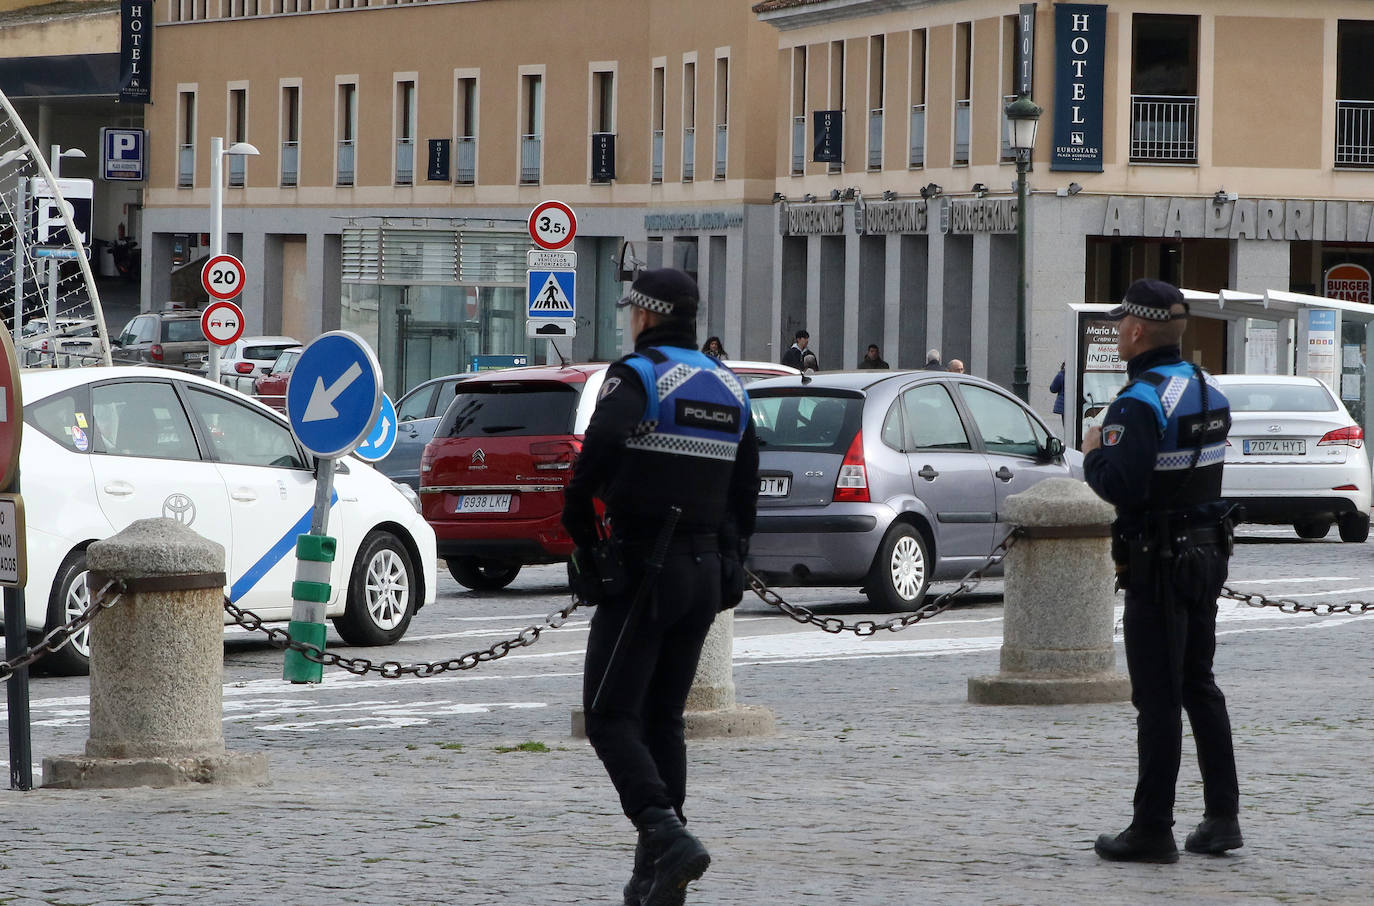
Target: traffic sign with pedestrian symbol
382	438
551	294
334	394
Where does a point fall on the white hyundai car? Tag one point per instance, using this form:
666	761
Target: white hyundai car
1295	456
103	447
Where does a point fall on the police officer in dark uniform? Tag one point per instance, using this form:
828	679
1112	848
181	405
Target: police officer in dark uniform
1158	459
671	429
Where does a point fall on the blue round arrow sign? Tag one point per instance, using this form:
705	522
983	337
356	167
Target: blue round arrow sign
382	437
334	394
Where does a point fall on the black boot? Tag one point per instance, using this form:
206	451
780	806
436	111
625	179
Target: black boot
1214	836
679	858
642	879
1136	844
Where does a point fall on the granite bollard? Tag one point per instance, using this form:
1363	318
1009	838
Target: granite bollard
157	667
1057	644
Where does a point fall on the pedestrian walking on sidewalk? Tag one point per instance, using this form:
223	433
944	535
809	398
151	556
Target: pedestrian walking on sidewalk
675	462
1158	458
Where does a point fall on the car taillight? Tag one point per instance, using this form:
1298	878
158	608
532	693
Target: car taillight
555	455
155	352
244	367
1352	436
427	458
852	484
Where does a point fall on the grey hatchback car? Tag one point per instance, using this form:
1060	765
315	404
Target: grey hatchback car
890	480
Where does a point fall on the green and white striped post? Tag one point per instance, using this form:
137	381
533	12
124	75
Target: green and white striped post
310	592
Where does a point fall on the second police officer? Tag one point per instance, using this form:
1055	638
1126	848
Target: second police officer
670	451
1158	459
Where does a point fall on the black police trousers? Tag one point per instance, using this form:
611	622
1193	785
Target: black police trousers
1170	629
638	730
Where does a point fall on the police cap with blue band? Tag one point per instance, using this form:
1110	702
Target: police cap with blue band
664	291
1150	300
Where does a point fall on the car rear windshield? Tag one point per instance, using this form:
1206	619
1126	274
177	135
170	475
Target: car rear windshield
181	330
262	353
1279	398
511	410
807	421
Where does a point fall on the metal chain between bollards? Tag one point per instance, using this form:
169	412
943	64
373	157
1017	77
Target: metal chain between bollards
835	625
361	666
60	635
1290	606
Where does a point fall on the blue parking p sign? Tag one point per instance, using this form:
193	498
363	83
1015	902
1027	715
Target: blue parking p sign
121	154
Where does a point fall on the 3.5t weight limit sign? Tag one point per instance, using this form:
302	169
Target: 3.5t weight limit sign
552	225
223	277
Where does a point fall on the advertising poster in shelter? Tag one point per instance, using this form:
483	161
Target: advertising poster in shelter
1101	373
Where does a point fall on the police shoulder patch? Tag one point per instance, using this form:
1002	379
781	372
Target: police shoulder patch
1112	434
608	388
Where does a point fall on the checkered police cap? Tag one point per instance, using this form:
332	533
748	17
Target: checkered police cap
665	291
1150	300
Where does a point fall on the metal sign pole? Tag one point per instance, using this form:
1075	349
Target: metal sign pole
17	689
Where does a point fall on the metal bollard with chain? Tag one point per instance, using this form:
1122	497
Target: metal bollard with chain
835	625
60	635
1290	606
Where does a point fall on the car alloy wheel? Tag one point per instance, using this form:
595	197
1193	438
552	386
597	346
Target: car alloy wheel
388	589
900	573
67	600
382	588
908	568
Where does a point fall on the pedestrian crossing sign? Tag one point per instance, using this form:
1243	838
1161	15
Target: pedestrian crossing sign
551	294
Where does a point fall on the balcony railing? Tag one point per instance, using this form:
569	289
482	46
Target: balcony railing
1163	128
875	139
405	161
656	171
1008	152
186	166
722	148
916	157
1355	134
465	160
238	169
529	159
689	154
290	163
343	165
798	145
963	116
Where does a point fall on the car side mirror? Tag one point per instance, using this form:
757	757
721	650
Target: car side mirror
1052	448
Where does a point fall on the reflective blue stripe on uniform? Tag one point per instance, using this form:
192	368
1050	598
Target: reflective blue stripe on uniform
285	545
694	405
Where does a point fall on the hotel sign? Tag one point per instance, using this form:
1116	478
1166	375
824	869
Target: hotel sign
135	51
1080	36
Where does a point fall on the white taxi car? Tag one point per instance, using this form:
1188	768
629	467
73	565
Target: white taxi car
103	447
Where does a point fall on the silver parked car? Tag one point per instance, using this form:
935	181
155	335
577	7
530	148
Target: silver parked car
890	480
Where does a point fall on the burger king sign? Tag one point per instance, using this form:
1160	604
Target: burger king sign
1349	282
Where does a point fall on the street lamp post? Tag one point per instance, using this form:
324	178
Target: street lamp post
217	154
1023	115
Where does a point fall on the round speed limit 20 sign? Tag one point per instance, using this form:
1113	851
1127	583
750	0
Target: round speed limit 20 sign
552	225
223	277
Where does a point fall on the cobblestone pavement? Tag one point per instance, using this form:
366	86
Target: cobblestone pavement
882	786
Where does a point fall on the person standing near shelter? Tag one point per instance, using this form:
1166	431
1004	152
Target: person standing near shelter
794	353
1158	459
671	431
933	362
1057	388
956	366
873	358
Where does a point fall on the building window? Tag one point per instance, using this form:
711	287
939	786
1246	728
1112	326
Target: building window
238	132
290	135
465	148
603	126
1354	94
837	88
532	124
722	115
405	132
916	156
1011	66
186	146
963	103
656	127
1164	89
345	161
798	111
876	69
689	121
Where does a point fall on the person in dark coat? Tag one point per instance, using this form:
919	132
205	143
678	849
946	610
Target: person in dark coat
794	353
1158	459
671	429
933	361
872	358
713	348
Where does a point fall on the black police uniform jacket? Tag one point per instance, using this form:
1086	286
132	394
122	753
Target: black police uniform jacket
1163	442
638	484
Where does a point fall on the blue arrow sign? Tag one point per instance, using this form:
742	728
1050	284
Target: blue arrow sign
551	293
383	435
334	394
